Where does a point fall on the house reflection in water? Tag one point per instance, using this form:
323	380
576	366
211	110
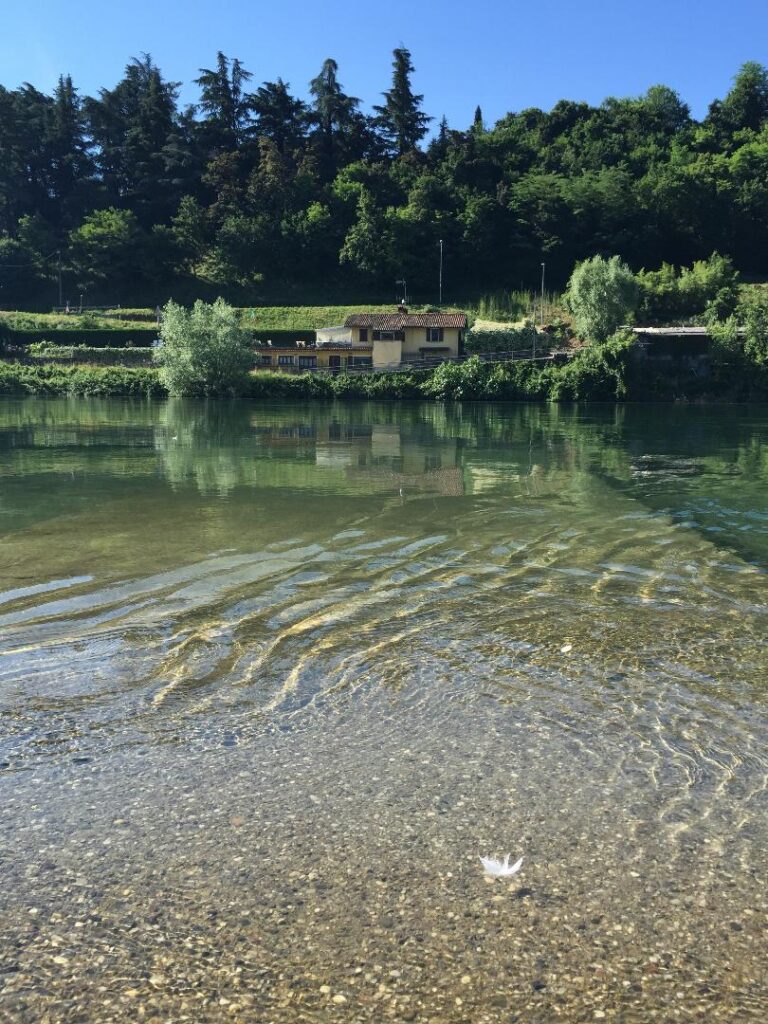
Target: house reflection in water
375	456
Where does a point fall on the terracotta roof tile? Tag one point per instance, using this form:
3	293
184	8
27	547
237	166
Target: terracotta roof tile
397	321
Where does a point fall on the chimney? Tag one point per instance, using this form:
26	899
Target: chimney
402	308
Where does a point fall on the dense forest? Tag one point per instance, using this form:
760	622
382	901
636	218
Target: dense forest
260	195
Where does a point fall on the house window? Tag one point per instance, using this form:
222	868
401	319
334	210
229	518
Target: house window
308	362
363	334
266	360
360	361
387	335
285	360
434	334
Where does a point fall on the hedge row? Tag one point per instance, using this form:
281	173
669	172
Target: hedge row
48	353
103	381
141	337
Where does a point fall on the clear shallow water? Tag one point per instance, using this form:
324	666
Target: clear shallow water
273	677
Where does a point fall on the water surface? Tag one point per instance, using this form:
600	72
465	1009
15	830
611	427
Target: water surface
273	676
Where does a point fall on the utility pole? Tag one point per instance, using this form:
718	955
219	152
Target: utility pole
61	293
543	269
440	301
405	291
541	311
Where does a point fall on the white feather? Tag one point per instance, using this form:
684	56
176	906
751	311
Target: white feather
500	868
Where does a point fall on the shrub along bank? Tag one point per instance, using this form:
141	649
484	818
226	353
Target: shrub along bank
607	372
103	381
44	351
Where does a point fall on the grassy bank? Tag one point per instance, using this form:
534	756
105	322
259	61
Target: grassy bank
52	322
260	318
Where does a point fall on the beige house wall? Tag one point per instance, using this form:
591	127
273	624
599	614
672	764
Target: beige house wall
292	360
387	354
416	340
413	346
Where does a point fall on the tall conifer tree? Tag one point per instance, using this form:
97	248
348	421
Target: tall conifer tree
400	118
225	104
334	114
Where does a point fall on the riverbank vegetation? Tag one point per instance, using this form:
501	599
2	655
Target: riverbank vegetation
203	350
61	380
264	195
599	372
50	352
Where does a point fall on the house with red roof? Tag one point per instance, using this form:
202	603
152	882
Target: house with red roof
404	337
379	341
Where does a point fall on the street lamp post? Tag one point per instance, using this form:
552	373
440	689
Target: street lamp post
440	300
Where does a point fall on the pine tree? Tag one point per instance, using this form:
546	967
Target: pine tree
10	165
130	126
477	124
280	117
438	147
33	119
71	164
400	118
334	114
226	106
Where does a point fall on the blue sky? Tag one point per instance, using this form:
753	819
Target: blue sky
503	55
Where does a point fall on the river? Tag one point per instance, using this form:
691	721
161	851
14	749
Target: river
274	677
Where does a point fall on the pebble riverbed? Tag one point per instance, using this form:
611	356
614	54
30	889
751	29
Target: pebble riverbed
273	679
332	874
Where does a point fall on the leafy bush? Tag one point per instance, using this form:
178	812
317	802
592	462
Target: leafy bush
471	379
513	339
203	351
602	295
707	290
17	379
743	335
46	350
754	317
596	373
343	385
